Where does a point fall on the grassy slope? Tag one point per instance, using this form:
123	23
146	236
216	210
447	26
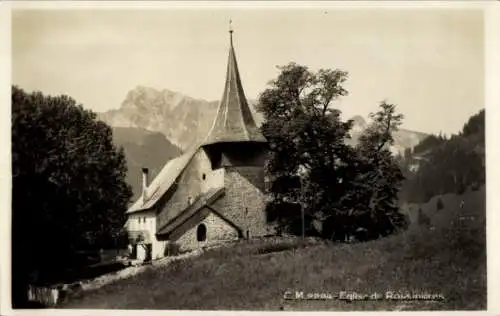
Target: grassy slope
449	259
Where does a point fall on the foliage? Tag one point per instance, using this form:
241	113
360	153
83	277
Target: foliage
377	184
68	183
311	165
450	165
429	142
475	125
308	155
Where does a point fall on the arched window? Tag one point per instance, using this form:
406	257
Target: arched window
204	176
201	232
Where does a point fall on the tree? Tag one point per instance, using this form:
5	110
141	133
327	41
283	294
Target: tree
306	133
68	185
429	143
475	125
310	163
376	186
449	165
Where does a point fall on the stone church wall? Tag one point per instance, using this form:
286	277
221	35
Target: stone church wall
243	202
213	180
217	230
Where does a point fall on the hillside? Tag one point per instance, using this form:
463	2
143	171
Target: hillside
440	165
143	149
185	120
448	259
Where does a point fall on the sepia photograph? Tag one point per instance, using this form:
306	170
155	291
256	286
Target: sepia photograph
229	158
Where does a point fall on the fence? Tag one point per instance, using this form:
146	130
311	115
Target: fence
47	296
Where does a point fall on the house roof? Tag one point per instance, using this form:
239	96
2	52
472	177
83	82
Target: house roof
203	200
234	121
162	182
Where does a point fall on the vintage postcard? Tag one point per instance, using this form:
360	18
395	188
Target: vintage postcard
249	157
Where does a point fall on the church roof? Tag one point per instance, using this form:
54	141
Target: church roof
202	201
234	121
163	181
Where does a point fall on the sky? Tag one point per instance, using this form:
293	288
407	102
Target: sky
429	62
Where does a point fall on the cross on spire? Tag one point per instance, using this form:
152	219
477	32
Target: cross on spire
231	31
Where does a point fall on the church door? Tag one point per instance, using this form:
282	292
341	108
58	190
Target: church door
201	232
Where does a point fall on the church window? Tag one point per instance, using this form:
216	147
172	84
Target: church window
201	232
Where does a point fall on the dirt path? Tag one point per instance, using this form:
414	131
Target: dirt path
136	270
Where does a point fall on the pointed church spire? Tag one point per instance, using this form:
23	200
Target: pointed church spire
234	121
231	33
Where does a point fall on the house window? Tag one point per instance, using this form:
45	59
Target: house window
201	232
204	176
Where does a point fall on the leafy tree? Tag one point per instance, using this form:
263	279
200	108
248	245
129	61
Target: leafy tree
309	162
375	188
311	165
68	191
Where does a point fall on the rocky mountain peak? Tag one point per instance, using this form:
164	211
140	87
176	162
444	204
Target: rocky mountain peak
185	120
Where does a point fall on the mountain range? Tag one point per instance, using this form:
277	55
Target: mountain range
154	126
143	149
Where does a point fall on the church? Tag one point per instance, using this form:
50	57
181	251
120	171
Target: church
212	193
